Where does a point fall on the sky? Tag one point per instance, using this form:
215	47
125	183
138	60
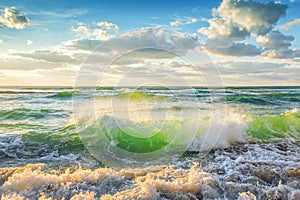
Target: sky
184	42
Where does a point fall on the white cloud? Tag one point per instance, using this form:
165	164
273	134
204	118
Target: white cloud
12	18
143	38
91	32
149	40
236	20
288	25
282	53
184	21
192	20
275	40
254	16
47	56
1	41
184	41
29	42
176	23
101	34
108	25
223	33
95	32
149	54
81	28
152	43
276	45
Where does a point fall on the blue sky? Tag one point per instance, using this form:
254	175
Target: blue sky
248	42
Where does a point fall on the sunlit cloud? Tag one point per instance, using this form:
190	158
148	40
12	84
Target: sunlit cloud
236	21
29	42
108	25
242	37
12	18
183	21
289	25
100	32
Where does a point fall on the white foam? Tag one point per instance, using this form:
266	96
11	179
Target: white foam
32	176
225	128
244	171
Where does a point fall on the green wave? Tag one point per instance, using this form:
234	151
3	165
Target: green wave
25	113
136	96
249	99
286	125
62	95
130	138
21	126
263	99
148	136
65	138
136	137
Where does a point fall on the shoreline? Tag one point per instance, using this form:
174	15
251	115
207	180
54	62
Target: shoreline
244	171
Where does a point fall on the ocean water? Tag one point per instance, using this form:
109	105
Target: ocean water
150	143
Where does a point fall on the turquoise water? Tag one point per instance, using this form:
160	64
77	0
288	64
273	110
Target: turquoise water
88	128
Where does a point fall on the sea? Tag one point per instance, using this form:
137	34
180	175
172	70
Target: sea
150	143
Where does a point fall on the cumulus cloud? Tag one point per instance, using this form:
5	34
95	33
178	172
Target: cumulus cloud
81	28
184	41
142	38
276	45
12	18
1	41
131	50
275	40
236	20
282	53
108	25
184	21
221	32
254	16
100	32
153	43
288	25
91	32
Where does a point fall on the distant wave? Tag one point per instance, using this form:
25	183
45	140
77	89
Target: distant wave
27	113
62	95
